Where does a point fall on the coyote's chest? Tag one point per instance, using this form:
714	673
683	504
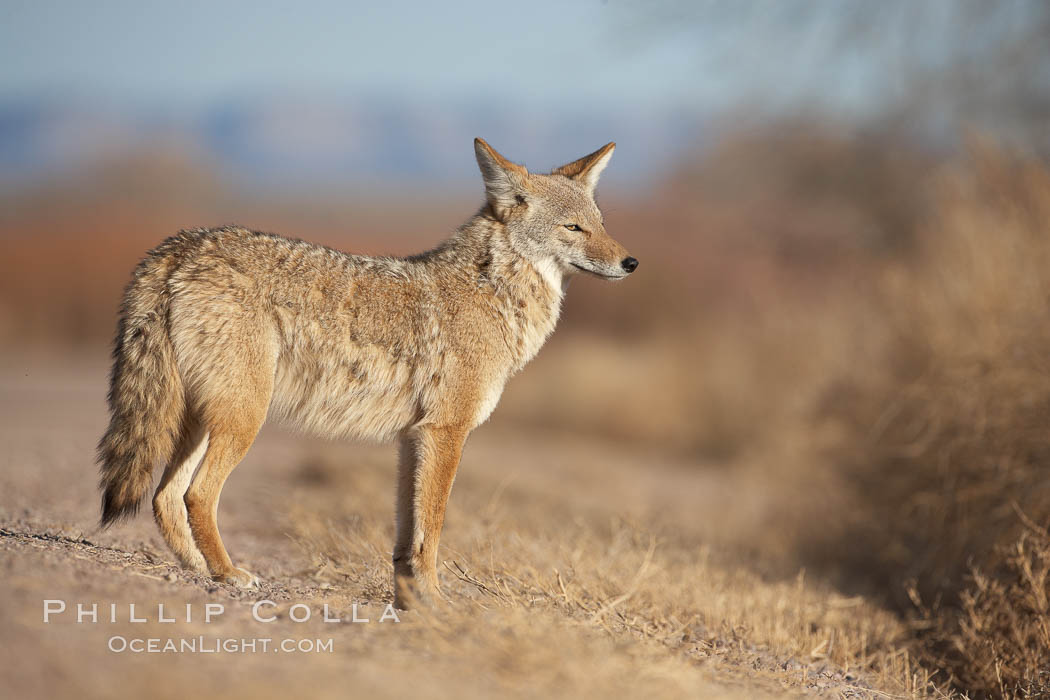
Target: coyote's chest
526	333
533	305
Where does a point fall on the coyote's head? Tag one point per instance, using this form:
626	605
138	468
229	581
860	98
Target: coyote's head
552	219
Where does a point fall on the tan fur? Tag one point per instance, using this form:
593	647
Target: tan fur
222	328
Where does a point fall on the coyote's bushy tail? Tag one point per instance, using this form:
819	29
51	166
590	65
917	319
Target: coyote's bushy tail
146	399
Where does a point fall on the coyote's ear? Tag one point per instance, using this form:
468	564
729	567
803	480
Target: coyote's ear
505	182
589	168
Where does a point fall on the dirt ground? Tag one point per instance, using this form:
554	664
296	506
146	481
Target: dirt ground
573	568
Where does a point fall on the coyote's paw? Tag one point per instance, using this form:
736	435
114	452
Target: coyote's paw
410	593
239	577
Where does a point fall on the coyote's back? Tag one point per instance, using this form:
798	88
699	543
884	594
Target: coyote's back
216	317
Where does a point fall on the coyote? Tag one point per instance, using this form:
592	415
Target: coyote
220	328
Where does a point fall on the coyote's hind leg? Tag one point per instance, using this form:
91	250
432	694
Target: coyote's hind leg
169	506
232	409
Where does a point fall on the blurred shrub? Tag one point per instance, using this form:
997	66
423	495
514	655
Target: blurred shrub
948	441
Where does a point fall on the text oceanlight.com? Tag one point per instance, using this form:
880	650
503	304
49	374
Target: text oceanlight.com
218	645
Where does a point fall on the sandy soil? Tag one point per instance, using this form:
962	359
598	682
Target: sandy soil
568	567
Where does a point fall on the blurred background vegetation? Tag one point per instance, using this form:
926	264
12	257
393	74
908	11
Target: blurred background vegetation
841	209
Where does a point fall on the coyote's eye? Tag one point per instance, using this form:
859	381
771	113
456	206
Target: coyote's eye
573	227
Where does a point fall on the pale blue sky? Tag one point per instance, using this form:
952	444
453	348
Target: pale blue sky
853	55
195	51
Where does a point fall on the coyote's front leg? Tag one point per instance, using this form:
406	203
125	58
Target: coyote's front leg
427	465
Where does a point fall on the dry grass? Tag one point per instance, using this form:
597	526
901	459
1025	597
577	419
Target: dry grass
536	581
997	639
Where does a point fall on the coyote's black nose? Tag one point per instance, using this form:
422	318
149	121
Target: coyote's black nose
628	264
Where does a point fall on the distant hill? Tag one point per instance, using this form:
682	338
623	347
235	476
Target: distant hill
296	141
